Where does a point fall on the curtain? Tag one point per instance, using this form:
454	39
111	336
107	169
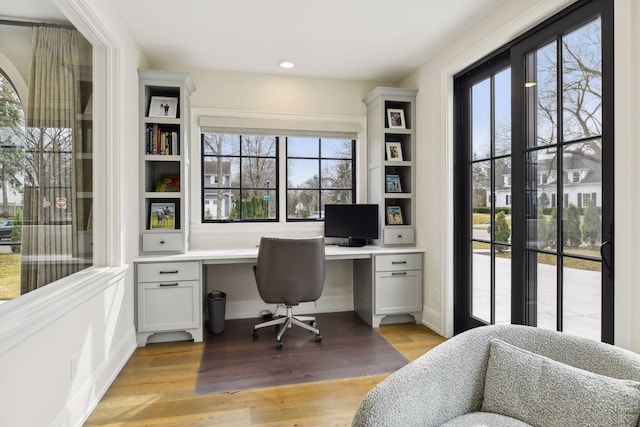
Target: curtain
54	134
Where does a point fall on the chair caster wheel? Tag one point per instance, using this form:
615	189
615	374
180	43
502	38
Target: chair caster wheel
255	334
318	338
279	344
313	323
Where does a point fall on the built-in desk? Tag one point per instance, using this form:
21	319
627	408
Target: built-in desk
170	288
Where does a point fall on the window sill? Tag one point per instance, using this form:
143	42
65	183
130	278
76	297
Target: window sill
26	315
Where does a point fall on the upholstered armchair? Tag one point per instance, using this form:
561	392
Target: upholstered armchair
508	375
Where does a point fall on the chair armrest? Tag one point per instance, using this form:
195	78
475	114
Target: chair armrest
446	382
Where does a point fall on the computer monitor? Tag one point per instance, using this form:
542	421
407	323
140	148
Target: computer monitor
357	223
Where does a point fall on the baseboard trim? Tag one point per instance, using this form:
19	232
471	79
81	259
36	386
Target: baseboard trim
80	406
431	319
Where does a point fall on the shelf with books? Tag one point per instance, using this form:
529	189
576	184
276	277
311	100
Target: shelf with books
162	139
164	125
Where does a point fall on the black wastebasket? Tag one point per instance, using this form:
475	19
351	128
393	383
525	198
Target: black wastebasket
217	302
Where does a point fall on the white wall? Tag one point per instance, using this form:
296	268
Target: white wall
435	155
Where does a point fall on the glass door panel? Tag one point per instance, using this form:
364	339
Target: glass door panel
533	180
547	292
582	298
563	181
491	198
481	282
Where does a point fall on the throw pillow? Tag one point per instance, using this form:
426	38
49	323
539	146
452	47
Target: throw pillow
543	392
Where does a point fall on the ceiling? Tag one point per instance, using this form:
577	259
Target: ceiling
371	40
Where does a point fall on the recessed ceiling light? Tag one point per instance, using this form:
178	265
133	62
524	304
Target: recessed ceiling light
285	63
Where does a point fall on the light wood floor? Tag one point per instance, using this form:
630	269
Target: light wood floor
156	388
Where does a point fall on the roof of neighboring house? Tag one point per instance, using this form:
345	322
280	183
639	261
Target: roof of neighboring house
211	168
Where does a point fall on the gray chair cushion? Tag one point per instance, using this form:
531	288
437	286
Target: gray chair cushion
290	270
543	392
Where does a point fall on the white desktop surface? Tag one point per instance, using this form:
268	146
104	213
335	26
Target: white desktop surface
250	255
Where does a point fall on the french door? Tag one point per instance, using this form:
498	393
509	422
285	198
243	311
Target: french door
534	180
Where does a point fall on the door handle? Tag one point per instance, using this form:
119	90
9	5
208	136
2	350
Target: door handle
604	258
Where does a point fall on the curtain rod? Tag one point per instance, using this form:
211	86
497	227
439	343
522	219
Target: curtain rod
35	24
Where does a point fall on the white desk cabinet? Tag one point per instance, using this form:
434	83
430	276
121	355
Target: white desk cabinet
169	301
396	290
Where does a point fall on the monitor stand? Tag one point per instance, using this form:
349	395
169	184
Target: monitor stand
353	243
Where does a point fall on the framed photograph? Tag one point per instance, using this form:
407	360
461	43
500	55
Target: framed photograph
393	184
396	118
394	215
163	106
163	215
394	151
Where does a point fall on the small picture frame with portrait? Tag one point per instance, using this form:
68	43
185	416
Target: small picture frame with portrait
394	215
395	117
394	151
163	106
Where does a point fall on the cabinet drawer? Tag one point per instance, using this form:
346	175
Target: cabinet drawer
398	292
170	306
168	272
399	262
162	242
398	236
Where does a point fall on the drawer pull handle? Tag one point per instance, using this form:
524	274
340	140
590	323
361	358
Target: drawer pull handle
162	242
164	285
399	236
169	272
402	273
398	262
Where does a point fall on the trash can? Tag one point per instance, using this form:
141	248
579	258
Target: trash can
217	302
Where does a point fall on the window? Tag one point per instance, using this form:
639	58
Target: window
575	177
46	168
319	171
239	177
241	173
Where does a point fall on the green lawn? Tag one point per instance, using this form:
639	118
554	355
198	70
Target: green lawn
9	275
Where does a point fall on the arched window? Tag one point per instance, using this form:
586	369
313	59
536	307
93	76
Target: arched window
46	159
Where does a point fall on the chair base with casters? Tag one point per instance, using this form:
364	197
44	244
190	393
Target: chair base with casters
286	322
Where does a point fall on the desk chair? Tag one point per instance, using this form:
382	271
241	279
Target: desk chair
290	271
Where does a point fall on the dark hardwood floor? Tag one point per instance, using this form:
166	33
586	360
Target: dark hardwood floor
156	388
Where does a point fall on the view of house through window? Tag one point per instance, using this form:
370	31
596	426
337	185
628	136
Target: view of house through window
240	176
46	166
319	171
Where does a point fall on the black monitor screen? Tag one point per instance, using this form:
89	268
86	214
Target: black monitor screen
358	223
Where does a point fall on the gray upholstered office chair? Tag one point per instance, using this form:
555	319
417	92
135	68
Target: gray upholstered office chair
290	271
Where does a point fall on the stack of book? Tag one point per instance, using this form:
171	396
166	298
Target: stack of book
162	141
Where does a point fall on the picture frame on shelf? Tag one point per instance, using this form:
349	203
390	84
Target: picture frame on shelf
394	151
162	215
395	117
393	184
163	106
394	215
